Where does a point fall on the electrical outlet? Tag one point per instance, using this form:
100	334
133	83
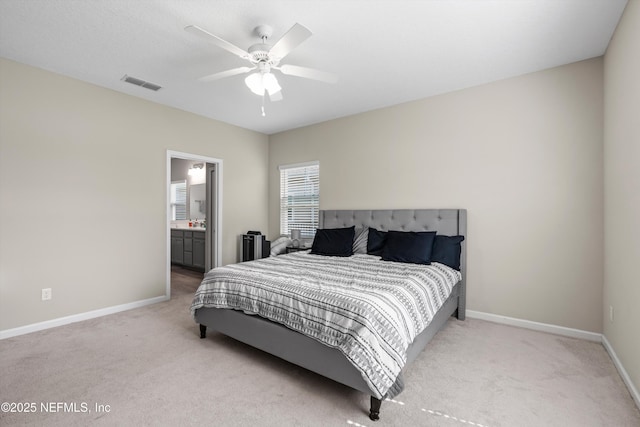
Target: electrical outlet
46	294
611	313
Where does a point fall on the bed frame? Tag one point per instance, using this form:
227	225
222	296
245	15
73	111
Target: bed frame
317	357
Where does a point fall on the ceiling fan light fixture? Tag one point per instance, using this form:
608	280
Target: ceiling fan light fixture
254	83
258	83
271	83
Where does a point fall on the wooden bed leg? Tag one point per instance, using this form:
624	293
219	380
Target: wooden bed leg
374	412
203	331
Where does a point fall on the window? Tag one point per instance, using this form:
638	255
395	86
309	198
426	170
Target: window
179	200
299	198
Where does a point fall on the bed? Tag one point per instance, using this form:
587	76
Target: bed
330	359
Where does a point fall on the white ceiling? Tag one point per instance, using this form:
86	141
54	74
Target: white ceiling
385	52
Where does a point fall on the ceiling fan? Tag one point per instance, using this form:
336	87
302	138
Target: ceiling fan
264	58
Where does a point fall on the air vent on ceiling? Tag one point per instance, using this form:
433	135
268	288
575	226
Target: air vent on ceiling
140	82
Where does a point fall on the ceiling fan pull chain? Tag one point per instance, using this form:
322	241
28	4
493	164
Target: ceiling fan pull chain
263	113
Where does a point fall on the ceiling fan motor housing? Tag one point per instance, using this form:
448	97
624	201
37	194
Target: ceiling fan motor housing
259	53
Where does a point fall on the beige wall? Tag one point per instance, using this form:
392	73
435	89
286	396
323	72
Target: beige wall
83	192
622	190
523	155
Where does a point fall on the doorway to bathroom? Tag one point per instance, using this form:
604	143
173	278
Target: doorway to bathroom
194	200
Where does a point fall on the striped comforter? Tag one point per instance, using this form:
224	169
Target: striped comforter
369	309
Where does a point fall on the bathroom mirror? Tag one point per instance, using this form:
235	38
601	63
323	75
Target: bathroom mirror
197	201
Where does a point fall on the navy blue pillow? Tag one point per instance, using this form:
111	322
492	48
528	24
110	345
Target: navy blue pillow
409	246
446	250
333	241
375	241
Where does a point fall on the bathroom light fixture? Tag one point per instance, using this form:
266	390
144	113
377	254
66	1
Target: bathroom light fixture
196	169
197	174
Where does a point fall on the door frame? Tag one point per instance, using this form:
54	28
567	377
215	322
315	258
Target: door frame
216	224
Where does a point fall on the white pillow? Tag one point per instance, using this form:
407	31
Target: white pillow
279	246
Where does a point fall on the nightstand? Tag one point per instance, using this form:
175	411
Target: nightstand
290	249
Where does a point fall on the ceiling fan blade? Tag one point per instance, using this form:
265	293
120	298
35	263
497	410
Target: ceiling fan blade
276	96
292	39
228	73
217	41
308	73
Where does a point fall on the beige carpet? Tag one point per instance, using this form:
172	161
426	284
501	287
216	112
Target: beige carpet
149	367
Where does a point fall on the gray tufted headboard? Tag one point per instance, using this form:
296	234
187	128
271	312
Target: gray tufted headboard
450	222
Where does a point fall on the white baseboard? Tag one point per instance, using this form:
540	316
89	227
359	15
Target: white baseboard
8	333
623	373
536	326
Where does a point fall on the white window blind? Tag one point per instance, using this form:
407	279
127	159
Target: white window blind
299	198
179	200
